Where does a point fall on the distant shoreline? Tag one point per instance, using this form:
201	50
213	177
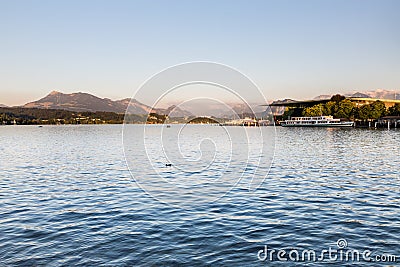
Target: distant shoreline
37	116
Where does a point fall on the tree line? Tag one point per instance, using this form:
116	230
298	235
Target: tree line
26	116
340	107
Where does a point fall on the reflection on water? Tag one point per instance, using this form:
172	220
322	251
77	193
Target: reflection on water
67	198
185	165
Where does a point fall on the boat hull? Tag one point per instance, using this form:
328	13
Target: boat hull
336	125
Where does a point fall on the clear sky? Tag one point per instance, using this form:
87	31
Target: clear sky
291	49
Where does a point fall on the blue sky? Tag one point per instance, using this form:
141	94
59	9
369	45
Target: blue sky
291	49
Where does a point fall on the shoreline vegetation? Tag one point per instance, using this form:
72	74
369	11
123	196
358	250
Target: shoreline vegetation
340	107
36	116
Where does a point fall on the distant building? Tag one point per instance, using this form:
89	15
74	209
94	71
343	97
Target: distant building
389	121
242	122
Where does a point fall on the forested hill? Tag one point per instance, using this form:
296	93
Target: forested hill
19	115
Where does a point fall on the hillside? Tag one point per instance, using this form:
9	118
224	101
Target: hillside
20	115
87	102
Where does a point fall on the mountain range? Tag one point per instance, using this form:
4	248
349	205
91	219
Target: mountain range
378	94
87	102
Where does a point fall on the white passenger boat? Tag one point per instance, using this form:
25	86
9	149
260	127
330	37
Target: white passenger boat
321	121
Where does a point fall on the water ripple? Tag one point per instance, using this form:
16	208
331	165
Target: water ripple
66	198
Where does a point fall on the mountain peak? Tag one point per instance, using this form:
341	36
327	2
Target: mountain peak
54	93
359	94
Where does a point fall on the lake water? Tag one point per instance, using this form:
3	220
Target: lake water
67	196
